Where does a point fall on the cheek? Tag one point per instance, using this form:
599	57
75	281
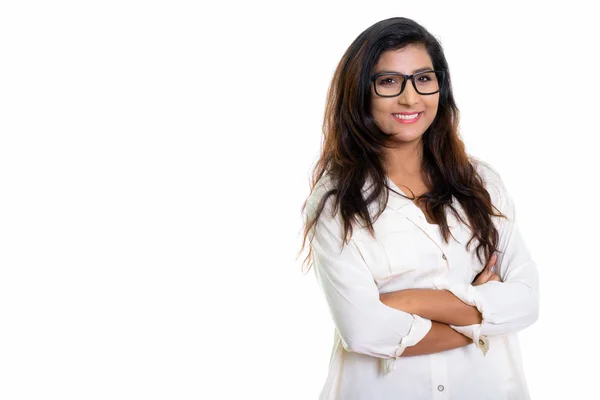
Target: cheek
432	106
381	106
379	113
377	109
433	103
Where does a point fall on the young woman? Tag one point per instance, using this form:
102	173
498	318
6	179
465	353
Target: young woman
413	241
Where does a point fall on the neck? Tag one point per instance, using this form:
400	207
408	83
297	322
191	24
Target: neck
404	161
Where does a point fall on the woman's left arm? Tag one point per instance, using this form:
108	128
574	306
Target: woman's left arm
437	305
513	303
507	306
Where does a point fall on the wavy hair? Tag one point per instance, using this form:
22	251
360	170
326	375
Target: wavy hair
353	145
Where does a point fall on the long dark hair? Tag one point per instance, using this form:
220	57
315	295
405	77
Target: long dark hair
353	144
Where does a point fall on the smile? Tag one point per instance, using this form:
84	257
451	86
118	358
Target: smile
407	118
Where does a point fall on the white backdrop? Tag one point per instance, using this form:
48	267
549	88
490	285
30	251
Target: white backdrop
154	157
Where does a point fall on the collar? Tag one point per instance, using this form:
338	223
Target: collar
396	198
399	201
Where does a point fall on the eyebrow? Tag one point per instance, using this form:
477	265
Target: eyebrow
416	71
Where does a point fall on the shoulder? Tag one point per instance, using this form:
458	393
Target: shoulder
328	227
493	183
489	175
319	191
487	172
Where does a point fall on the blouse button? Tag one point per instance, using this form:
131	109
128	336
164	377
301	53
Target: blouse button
444	257
441	388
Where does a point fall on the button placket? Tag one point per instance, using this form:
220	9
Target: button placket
430	231
439	377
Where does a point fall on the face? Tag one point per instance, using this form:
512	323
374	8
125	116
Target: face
408	60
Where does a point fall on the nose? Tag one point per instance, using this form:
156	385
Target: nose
409	95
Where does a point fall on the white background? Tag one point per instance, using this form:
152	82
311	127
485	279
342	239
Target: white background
154	157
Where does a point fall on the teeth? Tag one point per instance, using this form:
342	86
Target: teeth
411	116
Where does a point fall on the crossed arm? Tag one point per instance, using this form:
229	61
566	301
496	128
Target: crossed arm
443	308
422	321
491	305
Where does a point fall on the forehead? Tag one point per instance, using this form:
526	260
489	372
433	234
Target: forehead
405	60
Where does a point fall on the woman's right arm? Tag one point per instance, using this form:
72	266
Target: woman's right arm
363	322
440	305
441	337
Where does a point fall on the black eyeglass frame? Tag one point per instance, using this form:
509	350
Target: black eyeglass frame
440	73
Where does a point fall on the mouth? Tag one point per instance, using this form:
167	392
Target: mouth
405	118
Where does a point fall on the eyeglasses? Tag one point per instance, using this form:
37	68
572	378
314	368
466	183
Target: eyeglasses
391	84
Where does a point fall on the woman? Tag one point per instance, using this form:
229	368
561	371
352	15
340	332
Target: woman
414	242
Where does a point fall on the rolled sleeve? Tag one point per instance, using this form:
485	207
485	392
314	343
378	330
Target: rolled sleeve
469	295
364	324
512	304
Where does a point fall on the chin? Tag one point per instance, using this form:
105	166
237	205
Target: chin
407	138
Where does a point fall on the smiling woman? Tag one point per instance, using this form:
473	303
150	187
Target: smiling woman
426	292
395	102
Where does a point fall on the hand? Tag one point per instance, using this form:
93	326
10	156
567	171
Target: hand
488	273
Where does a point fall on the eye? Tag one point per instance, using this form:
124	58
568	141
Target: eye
426	77
386	81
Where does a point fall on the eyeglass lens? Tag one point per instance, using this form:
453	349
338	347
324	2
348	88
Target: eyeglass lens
390	85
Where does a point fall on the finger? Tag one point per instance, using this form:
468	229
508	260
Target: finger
490	267
492	261
484	275
495	277
481	278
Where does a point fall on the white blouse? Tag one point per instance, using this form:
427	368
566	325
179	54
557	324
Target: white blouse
408	252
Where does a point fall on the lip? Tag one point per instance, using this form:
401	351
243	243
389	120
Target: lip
404	121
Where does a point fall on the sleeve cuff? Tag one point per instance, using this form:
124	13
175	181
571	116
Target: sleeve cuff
474	332
419	328
471	296
467	293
